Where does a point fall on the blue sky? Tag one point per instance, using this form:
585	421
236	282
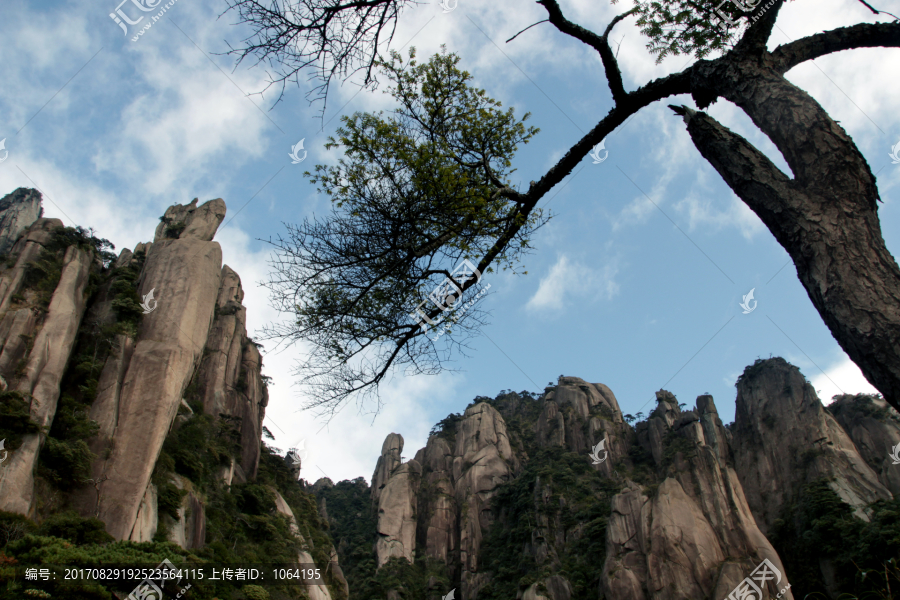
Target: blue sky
636	281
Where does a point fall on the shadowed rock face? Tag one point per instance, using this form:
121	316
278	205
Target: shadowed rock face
18	211
874	426
784	438
572	403
43	373
397	514
695	536
389	460
464	475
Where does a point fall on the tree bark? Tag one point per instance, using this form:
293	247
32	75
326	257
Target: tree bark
825	217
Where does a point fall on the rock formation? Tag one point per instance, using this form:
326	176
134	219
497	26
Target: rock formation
694	536
874	427
18	211
784	438
689	499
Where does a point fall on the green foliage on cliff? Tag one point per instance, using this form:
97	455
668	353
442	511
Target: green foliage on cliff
15	419
558	496
352	526
68	540
819	528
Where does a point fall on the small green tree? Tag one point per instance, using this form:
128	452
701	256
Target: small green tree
417	191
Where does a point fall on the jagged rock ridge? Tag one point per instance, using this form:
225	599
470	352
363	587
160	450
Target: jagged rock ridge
689	502
173	318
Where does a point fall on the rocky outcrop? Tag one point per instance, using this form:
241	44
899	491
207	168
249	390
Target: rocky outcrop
389	460
784	439
228	378
185	273
194	331
46	363
189	221
147	520
27	249
578	415
18	211
874	427
482	460
690	533
304	558
396	535
694	536
117	362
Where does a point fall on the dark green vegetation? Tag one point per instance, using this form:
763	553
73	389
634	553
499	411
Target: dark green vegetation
820	528
242	524
352	526
15	419
557	496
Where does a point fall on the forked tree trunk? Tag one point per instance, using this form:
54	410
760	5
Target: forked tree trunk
825	217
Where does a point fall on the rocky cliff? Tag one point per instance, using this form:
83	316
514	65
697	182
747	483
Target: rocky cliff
133	398
559	497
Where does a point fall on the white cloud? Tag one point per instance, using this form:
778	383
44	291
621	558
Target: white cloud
702	211
567	279
842	377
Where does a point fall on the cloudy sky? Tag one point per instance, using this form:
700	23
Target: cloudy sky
636	282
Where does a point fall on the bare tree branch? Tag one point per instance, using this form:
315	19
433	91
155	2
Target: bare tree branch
600	43
332	38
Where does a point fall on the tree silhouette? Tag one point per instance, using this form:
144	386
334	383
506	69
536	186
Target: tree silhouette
825	213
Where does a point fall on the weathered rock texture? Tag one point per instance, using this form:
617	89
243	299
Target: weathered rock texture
304	558
195	333
459	476
43	372
695	536
136	346
874	427
691	535
18	211
784	438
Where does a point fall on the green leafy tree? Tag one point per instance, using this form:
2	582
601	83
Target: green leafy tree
417	191
824	213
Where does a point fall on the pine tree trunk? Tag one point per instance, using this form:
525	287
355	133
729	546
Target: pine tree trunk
826	217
